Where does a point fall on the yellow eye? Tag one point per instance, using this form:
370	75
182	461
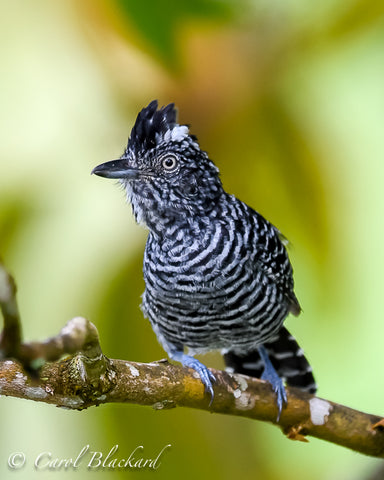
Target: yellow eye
170	163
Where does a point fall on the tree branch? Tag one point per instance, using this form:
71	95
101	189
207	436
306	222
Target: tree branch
10	338
87	377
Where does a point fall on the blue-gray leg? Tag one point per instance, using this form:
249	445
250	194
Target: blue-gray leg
273	378
206	376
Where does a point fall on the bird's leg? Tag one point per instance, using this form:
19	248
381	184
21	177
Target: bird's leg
273	378
206	375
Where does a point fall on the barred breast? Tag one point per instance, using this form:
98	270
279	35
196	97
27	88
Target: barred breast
209	285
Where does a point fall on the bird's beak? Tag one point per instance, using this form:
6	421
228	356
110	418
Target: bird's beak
116	169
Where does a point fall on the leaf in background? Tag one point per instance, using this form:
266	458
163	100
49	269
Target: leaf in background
160	23
356	19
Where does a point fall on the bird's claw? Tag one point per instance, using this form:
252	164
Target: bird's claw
271	376
278	387
205	374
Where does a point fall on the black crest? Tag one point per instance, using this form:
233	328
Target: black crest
151	125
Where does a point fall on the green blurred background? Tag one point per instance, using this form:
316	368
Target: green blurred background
288	99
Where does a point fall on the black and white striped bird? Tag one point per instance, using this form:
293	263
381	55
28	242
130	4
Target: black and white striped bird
217	273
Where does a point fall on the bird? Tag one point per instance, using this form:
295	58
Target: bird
217	273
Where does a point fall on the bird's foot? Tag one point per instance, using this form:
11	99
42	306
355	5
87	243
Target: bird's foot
273	378
205	374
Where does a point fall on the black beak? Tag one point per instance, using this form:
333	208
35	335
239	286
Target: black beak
115	169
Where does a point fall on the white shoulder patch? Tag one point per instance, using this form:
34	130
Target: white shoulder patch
179	133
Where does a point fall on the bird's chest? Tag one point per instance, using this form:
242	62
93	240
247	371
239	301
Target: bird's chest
191	267
190	263
168	272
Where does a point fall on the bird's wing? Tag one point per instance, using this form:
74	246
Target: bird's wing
270	255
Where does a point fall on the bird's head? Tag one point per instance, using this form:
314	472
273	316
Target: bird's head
165	173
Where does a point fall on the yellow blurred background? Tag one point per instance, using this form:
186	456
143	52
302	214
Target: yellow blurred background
288	99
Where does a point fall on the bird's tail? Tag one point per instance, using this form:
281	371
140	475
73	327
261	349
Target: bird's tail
287	358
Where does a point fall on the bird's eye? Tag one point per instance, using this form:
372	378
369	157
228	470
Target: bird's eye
170	163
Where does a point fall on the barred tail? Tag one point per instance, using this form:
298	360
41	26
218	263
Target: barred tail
287	358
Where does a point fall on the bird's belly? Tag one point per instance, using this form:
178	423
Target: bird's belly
244	309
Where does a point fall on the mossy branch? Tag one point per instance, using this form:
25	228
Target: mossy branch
37	371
